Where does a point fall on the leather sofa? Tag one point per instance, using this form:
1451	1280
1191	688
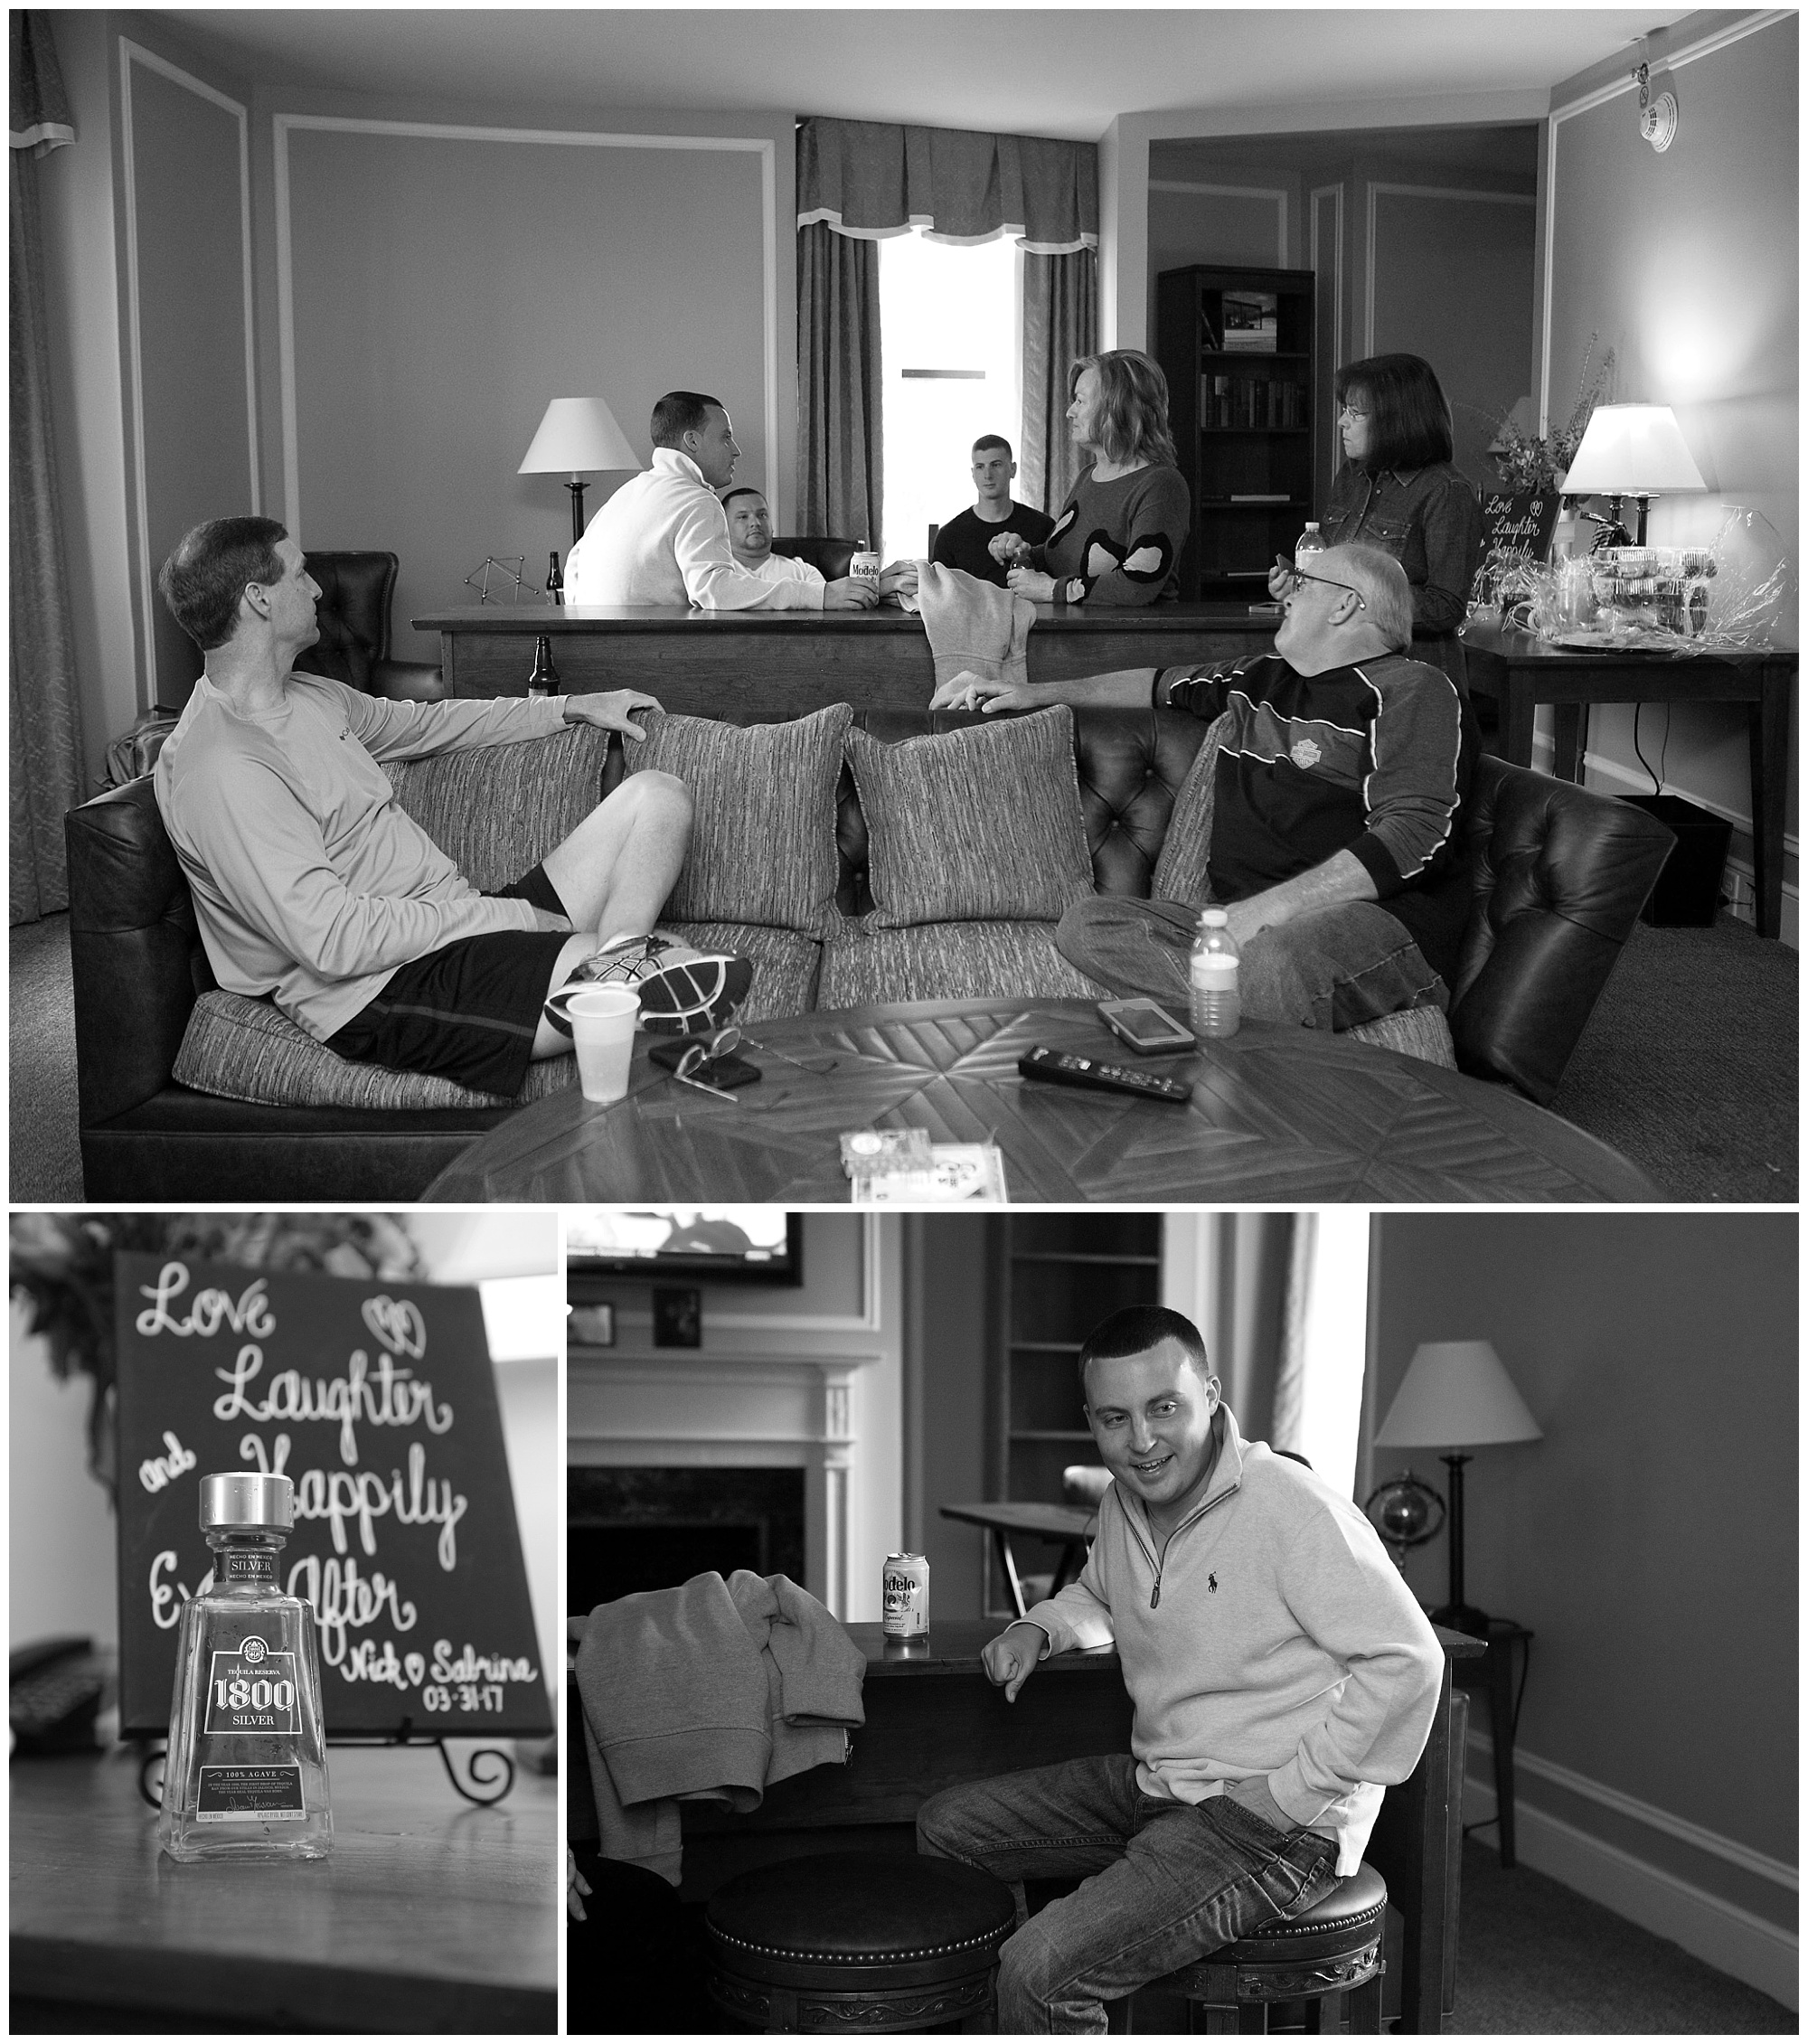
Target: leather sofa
1560	874
829	558
357	591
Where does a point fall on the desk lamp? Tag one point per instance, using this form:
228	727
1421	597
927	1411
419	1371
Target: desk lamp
1632	450
577	434
1456	1395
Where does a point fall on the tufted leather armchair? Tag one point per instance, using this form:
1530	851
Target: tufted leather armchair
829	558
1560	874
356	590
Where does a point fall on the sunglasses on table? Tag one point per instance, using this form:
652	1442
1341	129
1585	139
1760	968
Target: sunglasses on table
698	1056
1300	577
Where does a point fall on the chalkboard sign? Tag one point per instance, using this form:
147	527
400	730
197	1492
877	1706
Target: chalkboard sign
377	1400
1518	529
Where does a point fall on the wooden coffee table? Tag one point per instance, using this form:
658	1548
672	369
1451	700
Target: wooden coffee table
1277	1114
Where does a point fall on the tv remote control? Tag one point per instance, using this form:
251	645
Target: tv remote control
1067	1070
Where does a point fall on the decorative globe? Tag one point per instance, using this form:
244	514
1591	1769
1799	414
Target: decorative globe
1405	1512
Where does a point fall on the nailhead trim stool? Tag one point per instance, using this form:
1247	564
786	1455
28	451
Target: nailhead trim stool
1327	1952
853	1943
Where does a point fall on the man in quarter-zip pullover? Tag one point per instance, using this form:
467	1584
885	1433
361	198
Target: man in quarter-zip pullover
1281	1675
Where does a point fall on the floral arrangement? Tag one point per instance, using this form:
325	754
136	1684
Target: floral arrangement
62	1269
1527	463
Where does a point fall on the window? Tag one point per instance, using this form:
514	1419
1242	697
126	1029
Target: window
950	323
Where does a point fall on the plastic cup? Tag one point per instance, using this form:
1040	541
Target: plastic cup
603	1021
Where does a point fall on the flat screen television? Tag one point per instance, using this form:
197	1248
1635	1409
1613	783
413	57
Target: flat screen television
731	1245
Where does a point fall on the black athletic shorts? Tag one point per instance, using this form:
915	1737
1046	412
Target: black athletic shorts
469	1011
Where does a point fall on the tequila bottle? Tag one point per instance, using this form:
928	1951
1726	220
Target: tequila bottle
245	1777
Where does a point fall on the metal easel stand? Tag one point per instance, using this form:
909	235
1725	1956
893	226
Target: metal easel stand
481	1766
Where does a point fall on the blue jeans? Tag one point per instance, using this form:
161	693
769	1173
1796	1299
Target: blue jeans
1166	1882
1329	969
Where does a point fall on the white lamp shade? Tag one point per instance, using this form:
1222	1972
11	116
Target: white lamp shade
1632	450
1456	1395
577	434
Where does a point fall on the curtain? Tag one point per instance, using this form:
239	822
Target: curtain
840	464
1282	1301
1060	323
870	179
46	746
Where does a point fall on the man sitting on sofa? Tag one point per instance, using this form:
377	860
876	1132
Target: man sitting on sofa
1335	841
313	885
664	538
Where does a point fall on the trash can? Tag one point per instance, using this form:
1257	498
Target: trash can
1688	890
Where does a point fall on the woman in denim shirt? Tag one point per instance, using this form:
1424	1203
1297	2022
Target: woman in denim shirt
1398	490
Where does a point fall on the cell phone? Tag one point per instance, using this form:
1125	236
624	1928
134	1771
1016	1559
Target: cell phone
1144	1026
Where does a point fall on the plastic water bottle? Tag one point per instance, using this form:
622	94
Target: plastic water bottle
1311	541
1216	1009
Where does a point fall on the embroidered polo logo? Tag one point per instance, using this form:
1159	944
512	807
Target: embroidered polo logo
1211	1584
1304	754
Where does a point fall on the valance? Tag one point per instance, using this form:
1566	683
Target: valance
41	121
870	179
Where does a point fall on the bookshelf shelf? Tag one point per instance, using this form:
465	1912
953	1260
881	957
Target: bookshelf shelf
1242	418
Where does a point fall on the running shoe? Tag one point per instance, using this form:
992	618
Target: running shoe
682	991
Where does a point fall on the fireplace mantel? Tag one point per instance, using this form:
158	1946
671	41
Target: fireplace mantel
783	1392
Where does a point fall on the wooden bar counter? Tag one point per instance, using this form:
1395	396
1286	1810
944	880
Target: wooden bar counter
934	1720
786	662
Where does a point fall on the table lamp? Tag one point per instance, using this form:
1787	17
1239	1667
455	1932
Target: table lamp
1456	1395
577	434
1632	450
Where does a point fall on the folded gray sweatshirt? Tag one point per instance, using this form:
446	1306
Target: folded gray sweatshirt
715	1689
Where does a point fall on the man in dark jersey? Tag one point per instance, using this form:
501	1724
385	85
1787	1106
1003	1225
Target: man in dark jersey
964	542
1341	774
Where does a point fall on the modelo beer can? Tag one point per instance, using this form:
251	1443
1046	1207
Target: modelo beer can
865	568
907	1596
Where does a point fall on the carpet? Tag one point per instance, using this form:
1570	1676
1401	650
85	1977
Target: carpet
1535	1956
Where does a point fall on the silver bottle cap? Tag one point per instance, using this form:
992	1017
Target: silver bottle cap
244	1498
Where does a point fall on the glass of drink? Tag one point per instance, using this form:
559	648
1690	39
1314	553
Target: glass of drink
603	1021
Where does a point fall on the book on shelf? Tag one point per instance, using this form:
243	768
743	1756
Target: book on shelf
1269	403
1252	322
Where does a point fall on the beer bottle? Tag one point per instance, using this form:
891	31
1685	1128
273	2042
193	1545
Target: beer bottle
543	682
555	581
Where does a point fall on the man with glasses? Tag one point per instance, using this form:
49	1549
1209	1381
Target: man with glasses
1340	777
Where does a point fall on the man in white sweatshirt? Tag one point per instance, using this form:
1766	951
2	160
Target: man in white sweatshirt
664	537
1281	1674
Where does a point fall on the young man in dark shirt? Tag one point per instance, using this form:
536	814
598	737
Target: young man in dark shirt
1336	844
963	542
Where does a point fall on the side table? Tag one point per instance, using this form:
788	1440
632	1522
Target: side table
1521	671
1493	1673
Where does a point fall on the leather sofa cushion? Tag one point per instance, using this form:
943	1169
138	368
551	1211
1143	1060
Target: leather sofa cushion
246	1050
497	809
976	826
763	838
964	961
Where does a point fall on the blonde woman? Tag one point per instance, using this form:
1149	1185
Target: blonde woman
1118	538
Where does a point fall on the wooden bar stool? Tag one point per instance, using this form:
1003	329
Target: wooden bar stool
853	1943
1326	1953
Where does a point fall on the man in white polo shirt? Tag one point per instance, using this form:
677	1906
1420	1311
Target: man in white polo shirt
664	537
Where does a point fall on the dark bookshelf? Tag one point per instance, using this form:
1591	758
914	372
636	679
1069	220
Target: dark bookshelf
1055	1276
1242	421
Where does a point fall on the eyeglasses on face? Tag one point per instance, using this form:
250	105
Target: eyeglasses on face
1300	577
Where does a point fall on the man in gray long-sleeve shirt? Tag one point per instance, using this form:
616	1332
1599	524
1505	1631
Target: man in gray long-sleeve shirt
1335	839
311	884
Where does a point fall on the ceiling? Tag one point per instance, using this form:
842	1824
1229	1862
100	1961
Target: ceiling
1034	70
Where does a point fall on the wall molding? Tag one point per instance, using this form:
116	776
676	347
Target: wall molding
132	52
1375	187
1675	59
1334	192
763	147
1723	1935
1280	196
